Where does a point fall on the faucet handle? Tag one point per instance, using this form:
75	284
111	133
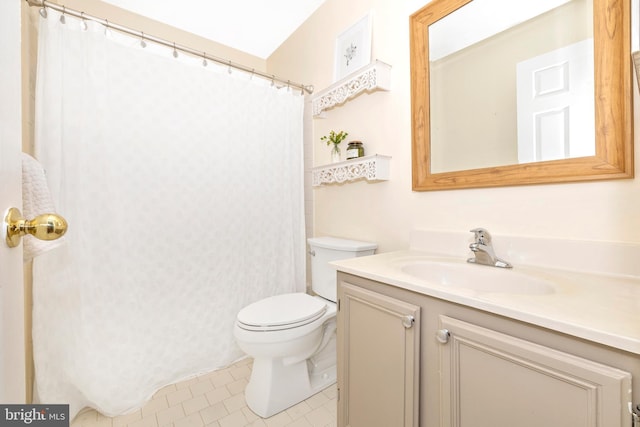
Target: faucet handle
482	236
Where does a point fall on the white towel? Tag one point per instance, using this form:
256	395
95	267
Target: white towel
36	200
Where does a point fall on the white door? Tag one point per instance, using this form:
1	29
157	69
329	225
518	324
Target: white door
12	339
555	101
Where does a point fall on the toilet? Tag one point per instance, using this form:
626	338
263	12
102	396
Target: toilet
291	337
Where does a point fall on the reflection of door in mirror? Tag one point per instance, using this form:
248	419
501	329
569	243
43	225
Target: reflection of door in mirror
474	110
555	104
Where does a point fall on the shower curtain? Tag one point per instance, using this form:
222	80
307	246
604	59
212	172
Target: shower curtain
182	186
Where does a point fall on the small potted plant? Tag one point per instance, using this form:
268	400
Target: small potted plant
335	139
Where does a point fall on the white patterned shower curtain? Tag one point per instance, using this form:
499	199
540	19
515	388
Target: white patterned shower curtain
182	185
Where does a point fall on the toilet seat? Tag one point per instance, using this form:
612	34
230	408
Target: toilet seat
280	312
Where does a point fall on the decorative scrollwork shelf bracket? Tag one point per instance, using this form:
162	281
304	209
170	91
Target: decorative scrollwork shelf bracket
371	168
375	76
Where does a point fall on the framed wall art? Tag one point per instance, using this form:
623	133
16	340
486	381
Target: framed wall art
353	48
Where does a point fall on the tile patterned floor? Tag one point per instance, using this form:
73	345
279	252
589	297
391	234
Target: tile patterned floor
216	399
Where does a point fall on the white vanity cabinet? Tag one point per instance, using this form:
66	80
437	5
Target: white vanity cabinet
475	368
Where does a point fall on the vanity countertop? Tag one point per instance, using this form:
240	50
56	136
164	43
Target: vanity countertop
598	307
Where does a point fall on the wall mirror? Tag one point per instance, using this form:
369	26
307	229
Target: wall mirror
515	92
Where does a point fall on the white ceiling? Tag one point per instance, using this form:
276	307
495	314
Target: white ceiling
257	27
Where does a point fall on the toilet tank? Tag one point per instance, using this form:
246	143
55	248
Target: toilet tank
326	249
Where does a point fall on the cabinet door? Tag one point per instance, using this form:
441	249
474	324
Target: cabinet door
490	379
378	366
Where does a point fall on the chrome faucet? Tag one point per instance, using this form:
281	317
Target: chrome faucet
483	250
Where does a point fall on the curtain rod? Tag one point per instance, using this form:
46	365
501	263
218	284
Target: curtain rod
146	37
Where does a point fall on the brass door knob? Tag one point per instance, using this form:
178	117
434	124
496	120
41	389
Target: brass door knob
48	226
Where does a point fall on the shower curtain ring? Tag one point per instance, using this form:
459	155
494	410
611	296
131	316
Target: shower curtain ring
175	52
229	70
204	59
63	20
85	27
142	42
43	11
273	80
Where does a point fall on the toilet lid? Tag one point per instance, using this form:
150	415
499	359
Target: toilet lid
281	312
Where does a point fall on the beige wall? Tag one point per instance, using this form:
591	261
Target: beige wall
386	212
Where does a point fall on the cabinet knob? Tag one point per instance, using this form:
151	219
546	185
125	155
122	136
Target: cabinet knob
407	321
443	336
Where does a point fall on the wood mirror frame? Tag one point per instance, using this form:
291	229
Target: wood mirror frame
613	109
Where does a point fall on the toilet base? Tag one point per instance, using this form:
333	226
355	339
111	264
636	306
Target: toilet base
274	387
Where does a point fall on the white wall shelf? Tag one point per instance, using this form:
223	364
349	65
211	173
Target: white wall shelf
371	168
375	76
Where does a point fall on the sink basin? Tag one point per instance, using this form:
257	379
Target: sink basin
480	278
